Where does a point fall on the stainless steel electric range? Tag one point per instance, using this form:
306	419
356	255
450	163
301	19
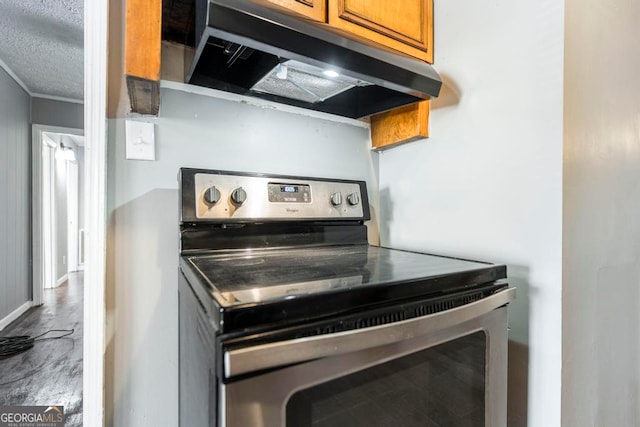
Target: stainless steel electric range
288	317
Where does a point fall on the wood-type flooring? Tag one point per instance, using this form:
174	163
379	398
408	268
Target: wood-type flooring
50	373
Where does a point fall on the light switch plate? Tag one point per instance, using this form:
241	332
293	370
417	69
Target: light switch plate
140	140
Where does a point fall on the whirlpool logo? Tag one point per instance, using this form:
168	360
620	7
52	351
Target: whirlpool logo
31	416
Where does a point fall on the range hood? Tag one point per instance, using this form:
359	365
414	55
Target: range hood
255	48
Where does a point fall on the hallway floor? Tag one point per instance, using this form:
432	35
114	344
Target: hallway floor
50	373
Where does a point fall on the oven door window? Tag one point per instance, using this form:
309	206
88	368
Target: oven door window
442	385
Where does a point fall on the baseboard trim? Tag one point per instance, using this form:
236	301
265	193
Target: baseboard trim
15	314
61	280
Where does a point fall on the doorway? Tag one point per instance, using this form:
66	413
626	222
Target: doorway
58	206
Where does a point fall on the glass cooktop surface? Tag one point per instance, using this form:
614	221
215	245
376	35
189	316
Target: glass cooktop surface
258	276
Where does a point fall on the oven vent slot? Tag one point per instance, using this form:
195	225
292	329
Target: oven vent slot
381	320
398	314
426	309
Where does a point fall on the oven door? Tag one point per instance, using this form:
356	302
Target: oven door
447	368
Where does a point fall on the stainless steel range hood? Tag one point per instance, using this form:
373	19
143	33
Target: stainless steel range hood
252	47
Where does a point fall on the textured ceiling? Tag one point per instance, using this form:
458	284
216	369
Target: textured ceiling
41	41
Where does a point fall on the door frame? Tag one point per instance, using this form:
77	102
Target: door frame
37	176
72	216
96	24
48	227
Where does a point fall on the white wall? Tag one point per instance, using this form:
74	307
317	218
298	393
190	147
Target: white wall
191	131
78	151
601	254
60	187
15	180
488	183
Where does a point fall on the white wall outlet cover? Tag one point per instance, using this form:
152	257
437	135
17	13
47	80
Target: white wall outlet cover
140	140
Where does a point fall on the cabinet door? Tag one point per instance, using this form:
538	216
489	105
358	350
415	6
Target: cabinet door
403	25
314	9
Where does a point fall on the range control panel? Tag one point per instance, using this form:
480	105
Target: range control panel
227	196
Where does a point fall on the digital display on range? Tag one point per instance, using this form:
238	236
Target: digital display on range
289	193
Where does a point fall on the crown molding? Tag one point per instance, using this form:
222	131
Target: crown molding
14	76
57	98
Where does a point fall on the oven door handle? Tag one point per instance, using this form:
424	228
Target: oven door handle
272	355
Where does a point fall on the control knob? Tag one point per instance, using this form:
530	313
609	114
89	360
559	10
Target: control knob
353	199
212	195
336	199
238	196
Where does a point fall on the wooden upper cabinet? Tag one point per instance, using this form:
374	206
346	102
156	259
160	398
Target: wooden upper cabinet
403	25
313	9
